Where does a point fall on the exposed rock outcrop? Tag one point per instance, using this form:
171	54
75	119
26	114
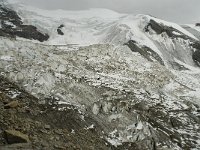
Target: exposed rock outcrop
146	52
13	136
170	31
197	24
37	126
59	30
176	34
12	26
12	104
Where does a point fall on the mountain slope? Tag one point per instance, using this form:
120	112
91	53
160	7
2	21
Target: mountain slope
170	42
136	76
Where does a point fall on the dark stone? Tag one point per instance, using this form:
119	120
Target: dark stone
12	104
197	24
155	26
13	136
31	32
145	51
196	45
60	32
61	26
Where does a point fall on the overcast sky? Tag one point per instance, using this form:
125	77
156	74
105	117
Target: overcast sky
180	11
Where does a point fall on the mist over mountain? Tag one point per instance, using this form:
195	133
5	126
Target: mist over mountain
179	11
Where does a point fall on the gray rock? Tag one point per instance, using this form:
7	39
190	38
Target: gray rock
47	127
12	104
13	136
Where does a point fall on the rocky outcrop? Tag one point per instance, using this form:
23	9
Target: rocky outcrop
59	30
170	31
196	53
12	26
197	24
13	136
12	104
196	57
176	34
36	126
146	52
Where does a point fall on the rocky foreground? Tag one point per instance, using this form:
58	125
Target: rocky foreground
27	125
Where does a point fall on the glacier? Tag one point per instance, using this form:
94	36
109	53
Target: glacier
136	75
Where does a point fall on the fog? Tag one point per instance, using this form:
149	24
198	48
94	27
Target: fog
179	11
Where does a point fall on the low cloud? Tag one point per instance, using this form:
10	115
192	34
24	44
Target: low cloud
180	11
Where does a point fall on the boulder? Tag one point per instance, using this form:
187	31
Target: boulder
13	136
61	26
146	52
12	104
60	32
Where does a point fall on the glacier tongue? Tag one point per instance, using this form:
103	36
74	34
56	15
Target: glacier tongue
133	99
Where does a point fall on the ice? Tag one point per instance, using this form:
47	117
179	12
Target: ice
6	58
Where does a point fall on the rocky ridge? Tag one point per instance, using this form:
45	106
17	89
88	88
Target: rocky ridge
30	125
11	26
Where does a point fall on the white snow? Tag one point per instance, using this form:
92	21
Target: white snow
112	139
90	127
115	142
10	24
176	33
6	58
139	126
194	27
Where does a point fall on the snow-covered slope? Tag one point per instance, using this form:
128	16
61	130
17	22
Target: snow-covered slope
99	26
137	76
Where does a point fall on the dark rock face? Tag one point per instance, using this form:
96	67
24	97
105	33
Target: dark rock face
197	24
196	45
146	52
26	128
9	15
168	124
12	26
61	26
160	28
196	57
60	32
59	29
196	54
178	66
